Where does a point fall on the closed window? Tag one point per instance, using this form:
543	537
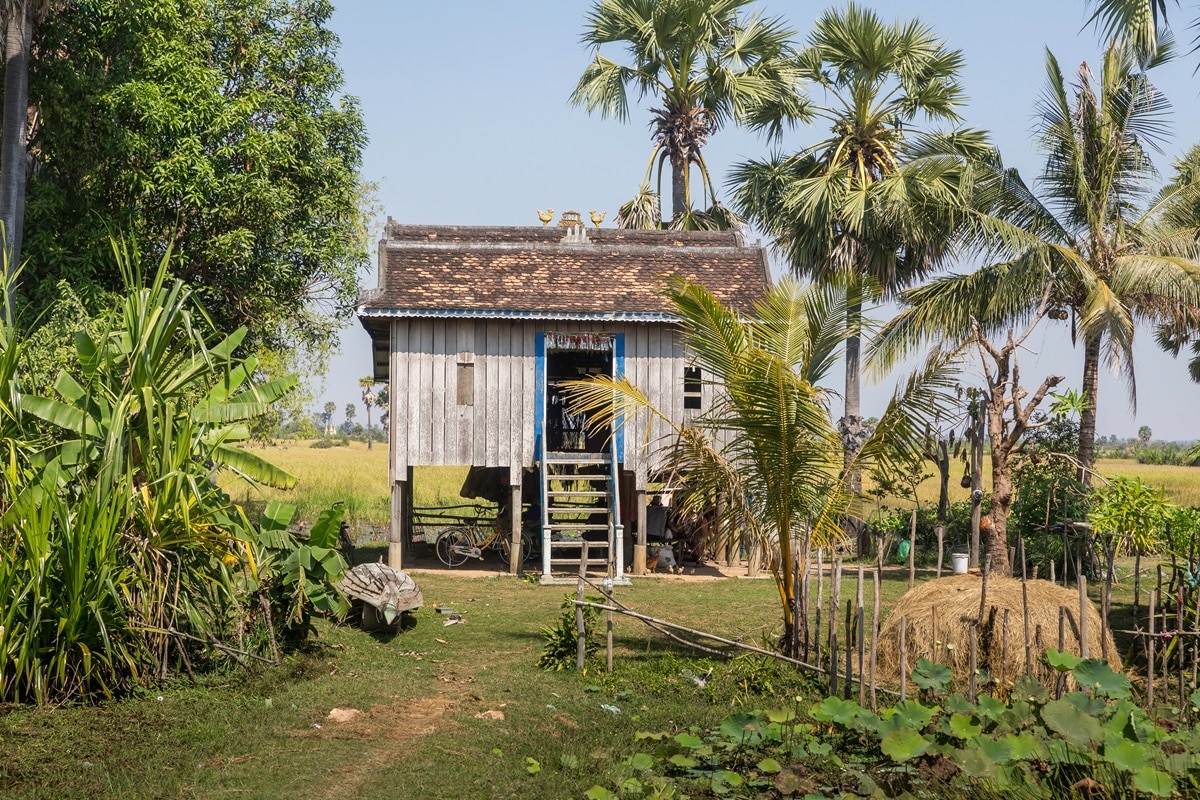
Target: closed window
466	384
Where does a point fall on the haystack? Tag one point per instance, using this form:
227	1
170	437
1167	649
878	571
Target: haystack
1000	651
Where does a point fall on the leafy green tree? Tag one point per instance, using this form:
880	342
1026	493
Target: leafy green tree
707	63
215	126
767	456
871	205
1093	229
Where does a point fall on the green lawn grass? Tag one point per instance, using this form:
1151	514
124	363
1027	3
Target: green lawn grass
266	733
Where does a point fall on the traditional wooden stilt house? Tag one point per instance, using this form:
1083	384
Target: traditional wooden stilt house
474	328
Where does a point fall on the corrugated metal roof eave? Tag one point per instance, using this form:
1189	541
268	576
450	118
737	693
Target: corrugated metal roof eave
365	312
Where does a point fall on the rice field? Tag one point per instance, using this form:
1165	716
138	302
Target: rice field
353	475
359	478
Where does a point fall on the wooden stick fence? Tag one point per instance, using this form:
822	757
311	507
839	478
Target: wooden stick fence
831	638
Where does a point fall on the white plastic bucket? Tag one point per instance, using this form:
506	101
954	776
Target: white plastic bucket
960	562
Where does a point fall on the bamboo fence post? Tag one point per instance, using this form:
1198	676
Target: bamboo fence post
1106	598
1150	642
794	637
912	550
875	635
580	622
861	641
1137	580
1039	642
1061	683
903	660
1025	609
1053	577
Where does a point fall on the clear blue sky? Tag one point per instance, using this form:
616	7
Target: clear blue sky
465	103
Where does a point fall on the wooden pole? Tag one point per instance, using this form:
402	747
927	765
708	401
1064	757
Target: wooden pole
849	646
1081	584
861	640
972	685
580	622
1106	598
805	580
794	637
1137	581
935	650
903	660
912	549
608	620
1025	610
835	586
875	635
1150	642
940	532
983	589
820	603
1004	649
1061	682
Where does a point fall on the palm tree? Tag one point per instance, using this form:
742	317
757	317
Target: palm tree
767	455
327	417
705	61
869	206
1096	233
369	398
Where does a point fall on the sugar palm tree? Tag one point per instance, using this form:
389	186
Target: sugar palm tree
1143	23
1092	227
767	455
705	61
872	205
369	399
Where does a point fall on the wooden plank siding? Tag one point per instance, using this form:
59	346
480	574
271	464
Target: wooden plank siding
432	426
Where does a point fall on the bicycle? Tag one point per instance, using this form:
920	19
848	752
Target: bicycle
455	545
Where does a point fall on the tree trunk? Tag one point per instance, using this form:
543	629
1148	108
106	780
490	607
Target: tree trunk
679	175
850	425
996	536
18	38
1087	418
370	438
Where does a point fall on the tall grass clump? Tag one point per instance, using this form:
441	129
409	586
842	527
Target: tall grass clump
119	553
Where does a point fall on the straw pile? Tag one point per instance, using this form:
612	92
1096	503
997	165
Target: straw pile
956	599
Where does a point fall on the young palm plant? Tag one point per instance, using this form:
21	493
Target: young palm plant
767	455
707	63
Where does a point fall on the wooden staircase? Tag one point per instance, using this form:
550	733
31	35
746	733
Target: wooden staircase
579	503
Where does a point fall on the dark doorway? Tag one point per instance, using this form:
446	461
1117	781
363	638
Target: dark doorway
567	432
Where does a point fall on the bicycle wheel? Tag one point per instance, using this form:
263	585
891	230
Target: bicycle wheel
452	545
531	546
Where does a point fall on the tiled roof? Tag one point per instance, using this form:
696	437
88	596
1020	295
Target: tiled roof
530	271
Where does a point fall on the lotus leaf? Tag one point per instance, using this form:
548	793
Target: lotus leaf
1080	729
1098	676
903	744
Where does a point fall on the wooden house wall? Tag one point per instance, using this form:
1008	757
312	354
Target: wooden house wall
431	428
